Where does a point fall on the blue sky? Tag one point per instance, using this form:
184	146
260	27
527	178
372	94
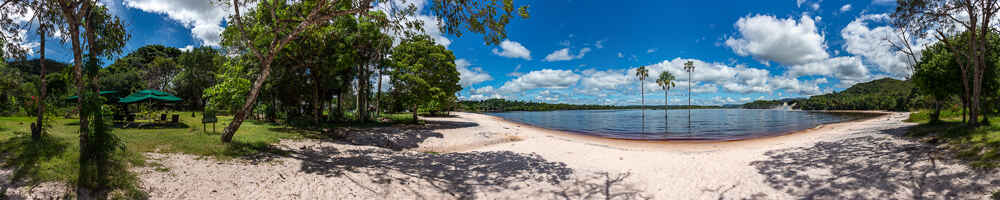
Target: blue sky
584	52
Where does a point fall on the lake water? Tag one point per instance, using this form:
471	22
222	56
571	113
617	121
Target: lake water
704	124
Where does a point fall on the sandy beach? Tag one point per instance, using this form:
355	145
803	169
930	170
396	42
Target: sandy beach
475	156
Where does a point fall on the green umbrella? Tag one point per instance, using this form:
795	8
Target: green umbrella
149	95
150	92
102	94
142	98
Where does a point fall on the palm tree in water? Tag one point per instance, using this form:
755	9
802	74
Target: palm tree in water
666	81
689	67
642	73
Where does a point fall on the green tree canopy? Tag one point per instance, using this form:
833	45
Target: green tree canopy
424	73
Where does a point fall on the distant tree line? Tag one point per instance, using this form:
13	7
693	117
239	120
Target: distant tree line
764	104
503	105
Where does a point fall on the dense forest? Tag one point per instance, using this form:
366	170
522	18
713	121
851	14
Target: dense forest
502	105
881	94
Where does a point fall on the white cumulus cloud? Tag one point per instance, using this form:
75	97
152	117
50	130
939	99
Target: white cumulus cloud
786	41
470	76
545	78
512	49
845	8
203	18
840	67
564	55
872	44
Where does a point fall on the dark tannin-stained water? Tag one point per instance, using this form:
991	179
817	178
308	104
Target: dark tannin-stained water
705	124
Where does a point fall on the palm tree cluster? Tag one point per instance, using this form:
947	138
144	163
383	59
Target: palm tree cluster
666	82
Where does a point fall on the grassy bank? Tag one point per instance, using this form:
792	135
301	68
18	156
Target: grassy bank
978	145
55	157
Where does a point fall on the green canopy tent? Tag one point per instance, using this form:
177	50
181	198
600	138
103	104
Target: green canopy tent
150	92
149	96
103	93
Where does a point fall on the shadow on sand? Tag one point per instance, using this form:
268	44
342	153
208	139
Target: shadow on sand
398	137
464	175
467	175
876	166
601	185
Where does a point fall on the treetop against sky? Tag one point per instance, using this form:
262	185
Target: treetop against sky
585	52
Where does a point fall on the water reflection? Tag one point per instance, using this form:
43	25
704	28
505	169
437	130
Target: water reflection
715	124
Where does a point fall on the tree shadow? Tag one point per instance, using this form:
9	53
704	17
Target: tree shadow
396	137
461	175
256	152
601	185
871	167
23	155
154	125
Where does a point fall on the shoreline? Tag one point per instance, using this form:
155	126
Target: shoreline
669	144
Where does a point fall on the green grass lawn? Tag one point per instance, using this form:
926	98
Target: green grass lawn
55	157
979	145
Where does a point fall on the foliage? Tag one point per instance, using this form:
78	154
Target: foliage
424	73
973	40
938	75
11	85
197	71
273	24
232	87
881	94
57	76
935	77
148	67
666	80
10	47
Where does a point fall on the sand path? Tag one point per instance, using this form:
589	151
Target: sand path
474	156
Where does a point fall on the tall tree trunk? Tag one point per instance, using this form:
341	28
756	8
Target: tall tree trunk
340	105
363	96
666	107
414	112
642	99
36	133
936	115
74	32
378	96
965	105
315	101
241	114
101	159
329	107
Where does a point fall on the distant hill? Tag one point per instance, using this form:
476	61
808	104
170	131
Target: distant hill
33	67
881	94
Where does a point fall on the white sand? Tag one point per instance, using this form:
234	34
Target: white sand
474	156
